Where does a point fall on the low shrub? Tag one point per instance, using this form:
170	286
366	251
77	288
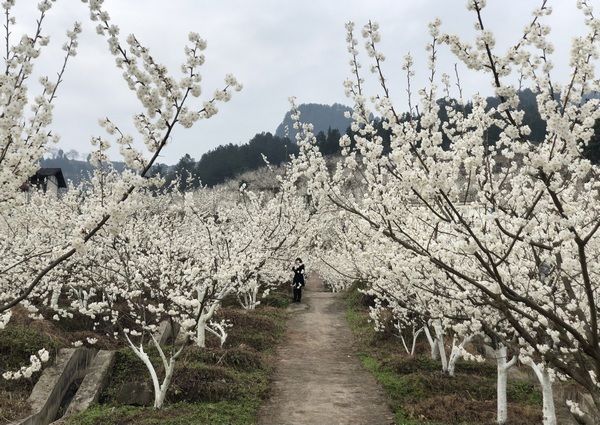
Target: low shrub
456	409
259	329
196	383
356	299
406	365
239	358
278	298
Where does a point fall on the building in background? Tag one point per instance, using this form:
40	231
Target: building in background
48	180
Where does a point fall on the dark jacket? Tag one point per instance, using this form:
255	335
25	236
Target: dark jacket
298	274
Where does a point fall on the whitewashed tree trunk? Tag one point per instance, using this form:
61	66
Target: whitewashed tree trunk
85	299
502	379
457	353
249	298
549	411
206	314
432	343
160	389
414	342
159	398
201	333
415	336
143	356
543	376
439	337
401	335
404	343
219	330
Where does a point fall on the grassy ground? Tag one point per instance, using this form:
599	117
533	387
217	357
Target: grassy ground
419	393
220	413
210	386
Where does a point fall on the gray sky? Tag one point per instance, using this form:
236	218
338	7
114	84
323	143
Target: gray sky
276	48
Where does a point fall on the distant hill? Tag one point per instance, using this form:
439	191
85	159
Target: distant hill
322	117
239	161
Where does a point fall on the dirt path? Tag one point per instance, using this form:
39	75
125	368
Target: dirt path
318	378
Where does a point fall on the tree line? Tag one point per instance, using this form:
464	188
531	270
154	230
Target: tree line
228	161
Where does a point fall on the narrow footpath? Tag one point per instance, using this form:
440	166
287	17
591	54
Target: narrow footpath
318	378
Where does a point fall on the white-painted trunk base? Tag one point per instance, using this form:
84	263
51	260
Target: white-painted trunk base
548	410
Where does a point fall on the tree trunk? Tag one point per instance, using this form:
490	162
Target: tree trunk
414	342
548	400
439	336
543	376
248	299
432	344
404	343
253	297
455	354
502	415
219	331
201	334
502	379
159	398
155	384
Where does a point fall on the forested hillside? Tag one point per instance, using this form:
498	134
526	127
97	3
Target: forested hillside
228	161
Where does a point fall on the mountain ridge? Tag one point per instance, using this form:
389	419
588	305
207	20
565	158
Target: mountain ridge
322	116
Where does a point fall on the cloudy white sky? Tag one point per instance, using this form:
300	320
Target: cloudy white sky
276	48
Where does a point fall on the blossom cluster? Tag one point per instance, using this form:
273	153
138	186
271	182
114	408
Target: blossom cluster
36	360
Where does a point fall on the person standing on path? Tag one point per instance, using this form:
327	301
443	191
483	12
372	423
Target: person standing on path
298	282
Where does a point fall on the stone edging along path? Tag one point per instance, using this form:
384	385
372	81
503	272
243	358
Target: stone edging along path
318	378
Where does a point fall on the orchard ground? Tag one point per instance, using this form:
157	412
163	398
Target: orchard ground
319	371
417	390
210	386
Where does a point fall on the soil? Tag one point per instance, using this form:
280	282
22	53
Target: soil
318	377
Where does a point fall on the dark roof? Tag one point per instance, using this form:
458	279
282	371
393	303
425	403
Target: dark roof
57	172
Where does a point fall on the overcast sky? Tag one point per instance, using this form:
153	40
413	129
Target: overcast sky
276	48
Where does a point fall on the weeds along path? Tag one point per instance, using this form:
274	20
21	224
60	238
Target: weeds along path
318	378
